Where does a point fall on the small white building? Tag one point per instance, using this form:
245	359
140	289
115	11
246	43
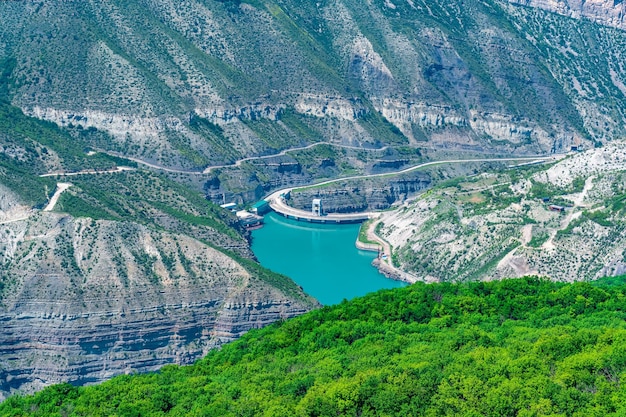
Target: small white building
229	206
317	207
249	220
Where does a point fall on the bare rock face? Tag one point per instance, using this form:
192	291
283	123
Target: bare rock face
84	300
404	115
363	197
10	206
605	12
325	106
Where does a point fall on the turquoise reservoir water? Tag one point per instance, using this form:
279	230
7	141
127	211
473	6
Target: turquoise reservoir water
319	257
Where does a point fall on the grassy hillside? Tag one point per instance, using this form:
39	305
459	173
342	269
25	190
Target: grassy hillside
524	347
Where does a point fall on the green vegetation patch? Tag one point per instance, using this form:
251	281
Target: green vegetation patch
363	232
526	347
297	124
272	134
214	135
610	281
139	196
538	238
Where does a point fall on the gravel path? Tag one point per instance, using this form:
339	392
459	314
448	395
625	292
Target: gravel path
62	186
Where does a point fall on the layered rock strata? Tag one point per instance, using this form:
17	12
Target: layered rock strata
84	300
362	196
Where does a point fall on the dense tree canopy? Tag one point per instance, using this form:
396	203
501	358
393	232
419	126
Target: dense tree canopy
525	347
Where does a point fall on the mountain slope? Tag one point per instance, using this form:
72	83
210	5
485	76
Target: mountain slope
482	76
517	347
84	300
565	221
199	84
118	270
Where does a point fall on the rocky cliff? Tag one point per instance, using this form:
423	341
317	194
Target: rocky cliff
83	300
362	196
605	12
106	271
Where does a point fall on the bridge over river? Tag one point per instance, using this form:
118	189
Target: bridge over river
277	200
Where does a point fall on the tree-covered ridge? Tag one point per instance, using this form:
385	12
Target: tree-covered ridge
524	347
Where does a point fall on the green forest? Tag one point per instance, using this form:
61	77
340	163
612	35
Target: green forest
525	347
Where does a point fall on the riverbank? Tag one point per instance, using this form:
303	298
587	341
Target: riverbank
362	242
369	240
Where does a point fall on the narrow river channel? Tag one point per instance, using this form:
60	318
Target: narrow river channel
319	257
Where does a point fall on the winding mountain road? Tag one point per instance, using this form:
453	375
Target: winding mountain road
425	164
572	213
88	172
276	199
238	162
286	151
16	219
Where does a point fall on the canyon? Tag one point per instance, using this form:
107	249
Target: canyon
133	268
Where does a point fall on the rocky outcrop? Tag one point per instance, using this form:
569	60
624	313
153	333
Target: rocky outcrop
403	114
10	206
499	127
605	12
254	111
119	124
325	106
84	300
